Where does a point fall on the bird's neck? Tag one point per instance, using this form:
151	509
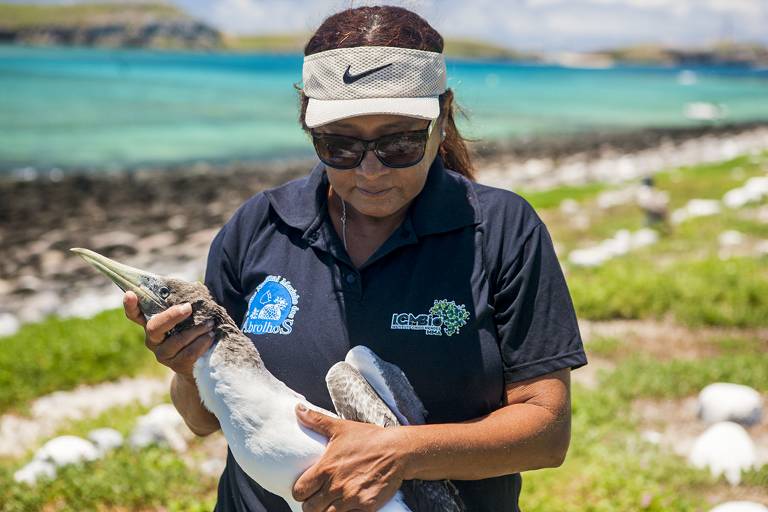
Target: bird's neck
236	348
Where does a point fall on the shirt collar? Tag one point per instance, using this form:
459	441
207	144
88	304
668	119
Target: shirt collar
447	202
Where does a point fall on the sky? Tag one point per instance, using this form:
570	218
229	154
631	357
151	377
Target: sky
539	25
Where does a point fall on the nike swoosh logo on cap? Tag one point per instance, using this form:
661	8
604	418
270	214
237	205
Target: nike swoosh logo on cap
349	79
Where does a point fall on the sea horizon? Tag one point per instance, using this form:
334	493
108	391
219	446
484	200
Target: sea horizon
112	109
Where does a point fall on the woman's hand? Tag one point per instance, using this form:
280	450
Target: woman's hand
361	469
180	351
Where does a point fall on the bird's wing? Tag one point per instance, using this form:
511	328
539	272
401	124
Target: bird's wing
355	399
390	384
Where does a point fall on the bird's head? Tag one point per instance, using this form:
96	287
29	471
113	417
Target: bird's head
155	293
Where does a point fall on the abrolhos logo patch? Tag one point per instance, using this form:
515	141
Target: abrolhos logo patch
444	317
272	307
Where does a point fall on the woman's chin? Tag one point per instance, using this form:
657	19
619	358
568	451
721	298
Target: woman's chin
376	209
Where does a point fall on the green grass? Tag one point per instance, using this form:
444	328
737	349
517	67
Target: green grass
150	479
605	347
60	354
543	199
24	16
710	292
277	43
294	43
643	377
155	478
609	468
709	181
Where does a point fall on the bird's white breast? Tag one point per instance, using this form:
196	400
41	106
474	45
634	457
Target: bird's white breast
257	416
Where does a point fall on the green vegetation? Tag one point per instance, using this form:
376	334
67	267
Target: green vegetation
543	199
682	276
294	43
474	49
150	479
709	292
16	16
725	52
270	43
61	353
604	347
609	468
643	377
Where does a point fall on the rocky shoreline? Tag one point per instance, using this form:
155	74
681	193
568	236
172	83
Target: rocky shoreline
164	220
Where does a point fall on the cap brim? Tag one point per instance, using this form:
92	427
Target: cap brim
321	112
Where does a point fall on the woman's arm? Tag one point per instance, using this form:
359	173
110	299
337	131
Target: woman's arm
531	432
364	465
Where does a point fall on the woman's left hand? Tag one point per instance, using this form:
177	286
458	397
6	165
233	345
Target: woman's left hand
361	469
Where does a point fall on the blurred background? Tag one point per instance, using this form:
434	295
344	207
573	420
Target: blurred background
638	129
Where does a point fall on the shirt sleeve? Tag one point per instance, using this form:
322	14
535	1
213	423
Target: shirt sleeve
222	277
535	319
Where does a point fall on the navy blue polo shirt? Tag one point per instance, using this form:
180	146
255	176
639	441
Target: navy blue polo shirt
465	296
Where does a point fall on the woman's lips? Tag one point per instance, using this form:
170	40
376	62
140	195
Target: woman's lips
373	193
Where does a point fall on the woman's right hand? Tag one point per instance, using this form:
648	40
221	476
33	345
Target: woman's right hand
180	351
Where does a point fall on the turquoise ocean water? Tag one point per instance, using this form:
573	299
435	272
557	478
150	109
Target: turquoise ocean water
114	108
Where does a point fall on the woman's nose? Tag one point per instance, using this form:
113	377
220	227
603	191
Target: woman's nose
371	167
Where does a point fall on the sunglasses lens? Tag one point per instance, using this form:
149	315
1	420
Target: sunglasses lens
402	149
337	151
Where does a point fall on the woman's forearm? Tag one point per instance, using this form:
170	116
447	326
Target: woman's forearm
186	399
515	438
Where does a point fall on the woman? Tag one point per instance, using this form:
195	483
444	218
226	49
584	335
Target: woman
389	243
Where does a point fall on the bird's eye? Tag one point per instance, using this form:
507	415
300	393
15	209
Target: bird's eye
164	292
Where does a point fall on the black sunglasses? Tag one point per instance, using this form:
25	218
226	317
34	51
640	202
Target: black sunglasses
398	150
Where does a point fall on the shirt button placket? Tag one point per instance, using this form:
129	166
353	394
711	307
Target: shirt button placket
352	282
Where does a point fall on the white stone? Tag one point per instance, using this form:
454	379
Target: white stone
9	324
589	257
106	439
620	244
703	207
64	450
757	185
569	207
742	196
91	303
652	437
740	506
18	434
730	238
723	401
612	198
725	448
644	237
38	306
212	467
162	425
35	470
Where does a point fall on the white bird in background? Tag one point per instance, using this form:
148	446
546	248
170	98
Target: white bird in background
257	411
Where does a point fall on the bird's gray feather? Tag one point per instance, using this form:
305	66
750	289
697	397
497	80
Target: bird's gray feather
356	400
407	405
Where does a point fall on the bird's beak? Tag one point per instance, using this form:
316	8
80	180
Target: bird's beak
127	278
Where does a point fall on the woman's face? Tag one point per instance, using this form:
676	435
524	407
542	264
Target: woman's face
372	188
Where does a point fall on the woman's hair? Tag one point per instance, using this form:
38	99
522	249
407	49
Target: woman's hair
392	26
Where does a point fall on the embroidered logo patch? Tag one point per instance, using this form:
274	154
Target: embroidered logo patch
272	307
444	317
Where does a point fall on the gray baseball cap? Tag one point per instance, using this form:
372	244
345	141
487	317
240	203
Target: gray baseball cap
348	82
